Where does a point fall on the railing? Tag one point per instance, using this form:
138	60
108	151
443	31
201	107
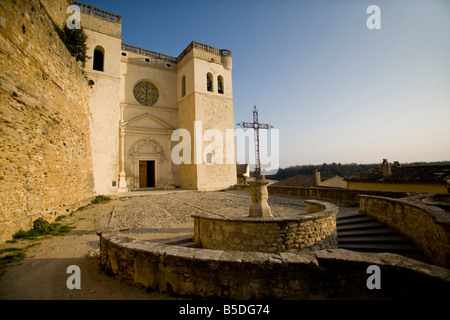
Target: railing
185	51
98	12
204	47
163	57
148	53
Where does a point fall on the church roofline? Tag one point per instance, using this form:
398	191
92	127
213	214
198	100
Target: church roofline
111	17
164	57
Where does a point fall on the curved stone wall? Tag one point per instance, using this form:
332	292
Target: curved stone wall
324	274
426	225
315	230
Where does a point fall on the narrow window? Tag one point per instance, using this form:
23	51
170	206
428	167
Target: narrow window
183	86
220	84
99	55
209	158
209	82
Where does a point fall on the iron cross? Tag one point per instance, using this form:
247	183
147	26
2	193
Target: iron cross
256	126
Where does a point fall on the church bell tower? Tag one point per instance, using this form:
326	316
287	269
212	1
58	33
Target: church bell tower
205	109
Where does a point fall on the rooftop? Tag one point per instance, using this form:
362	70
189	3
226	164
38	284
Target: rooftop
300	180
432	174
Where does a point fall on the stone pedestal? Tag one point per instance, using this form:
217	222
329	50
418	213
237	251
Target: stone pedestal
259	195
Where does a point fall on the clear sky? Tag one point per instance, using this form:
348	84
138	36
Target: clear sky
337	91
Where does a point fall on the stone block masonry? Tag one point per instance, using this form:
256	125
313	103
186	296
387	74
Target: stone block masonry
45	153
323	274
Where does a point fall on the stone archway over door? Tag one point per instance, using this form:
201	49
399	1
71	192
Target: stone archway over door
147	167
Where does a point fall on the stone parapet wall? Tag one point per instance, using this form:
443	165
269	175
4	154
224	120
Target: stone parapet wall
99	20
313	231
321	274
332	194
426	225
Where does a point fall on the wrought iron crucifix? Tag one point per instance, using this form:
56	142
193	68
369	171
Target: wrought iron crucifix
256	126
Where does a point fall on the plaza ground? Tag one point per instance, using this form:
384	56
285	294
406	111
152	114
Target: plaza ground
148	215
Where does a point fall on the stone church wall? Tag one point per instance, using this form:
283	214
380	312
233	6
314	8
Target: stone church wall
45	154
104	34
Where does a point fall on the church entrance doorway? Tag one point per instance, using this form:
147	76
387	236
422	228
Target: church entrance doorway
146	174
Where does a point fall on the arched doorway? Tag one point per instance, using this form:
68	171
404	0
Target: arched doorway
147	157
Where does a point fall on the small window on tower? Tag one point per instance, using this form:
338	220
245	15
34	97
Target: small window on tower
209	82
220	84
99	56
209	158
183	86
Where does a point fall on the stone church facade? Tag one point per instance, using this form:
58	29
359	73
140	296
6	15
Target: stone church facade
141	97
70	132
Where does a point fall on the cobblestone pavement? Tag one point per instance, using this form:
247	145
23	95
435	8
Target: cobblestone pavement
163	215
162	210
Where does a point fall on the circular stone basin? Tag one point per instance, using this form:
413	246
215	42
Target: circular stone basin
315	230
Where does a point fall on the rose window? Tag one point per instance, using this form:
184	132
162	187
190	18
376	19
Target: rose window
146	93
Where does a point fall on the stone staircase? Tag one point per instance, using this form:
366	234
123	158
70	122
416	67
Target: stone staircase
359	232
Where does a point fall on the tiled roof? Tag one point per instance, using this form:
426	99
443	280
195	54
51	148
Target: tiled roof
435	174
300	180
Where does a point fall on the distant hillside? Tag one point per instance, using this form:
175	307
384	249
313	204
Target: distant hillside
337	169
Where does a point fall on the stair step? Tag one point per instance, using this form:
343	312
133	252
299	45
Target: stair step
360	226
375	239
190	244
375	231
355	219
381	247
343	215
179	240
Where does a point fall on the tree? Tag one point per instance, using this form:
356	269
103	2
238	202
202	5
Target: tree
75	41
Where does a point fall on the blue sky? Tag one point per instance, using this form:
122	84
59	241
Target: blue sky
337	91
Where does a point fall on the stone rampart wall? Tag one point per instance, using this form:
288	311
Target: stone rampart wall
332	194
45	153
426	225
314	231
324	274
